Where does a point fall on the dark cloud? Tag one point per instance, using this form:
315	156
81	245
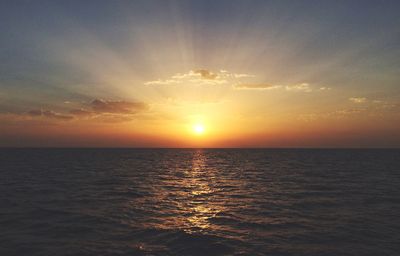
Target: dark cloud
119	107
49	114
206	74
103	110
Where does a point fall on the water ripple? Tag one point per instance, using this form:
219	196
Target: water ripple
199	202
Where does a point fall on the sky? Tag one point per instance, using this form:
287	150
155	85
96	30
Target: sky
200	73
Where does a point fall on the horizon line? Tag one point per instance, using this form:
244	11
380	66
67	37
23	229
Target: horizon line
111	147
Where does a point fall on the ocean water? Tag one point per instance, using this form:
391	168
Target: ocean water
199	202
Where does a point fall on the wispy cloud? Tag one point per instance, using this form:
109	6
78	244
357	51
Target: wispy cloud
122	107
242	75
81	112
200	77
97	110
358	100
377	108
336	114
49	114
239	81
99	106
304	87
110	111
206	74
325	88
163	82
261	86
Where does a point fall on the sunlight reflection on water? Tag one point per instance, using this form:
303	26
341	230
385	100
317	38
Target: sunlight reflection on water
200	207
194	193
199	202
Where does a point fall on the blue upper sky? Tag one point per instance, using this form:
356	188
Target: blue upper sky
328	27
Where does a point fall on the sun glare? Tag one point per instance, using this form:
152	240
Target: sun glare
198	129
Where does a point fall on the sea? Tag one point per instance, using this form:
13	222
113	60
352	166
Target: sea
200	202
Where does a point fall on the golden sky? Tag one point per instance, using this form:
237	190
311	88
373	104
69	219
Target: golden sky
199	74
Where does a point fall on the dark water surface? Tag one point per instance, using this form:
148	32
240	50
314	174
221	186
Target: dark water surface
199	202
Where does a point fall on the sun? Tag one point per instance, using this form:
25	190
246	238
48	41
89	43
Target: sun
198	129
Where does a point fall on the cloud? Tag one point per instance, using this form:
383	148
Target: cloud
114	118
98	109
358	100
49	114
239	81
242	75
383	105
120	107
200	77
81	112
206	74
261	86
336	114
325	88
375	104
377	109
305	87
110	111
163	82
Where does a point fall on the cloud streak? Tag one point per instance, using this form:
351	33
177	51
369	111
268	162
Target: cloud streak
98	109
239	81
119	107
200	77
358	100
377	109
261	86
206	74
49	114
303	87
